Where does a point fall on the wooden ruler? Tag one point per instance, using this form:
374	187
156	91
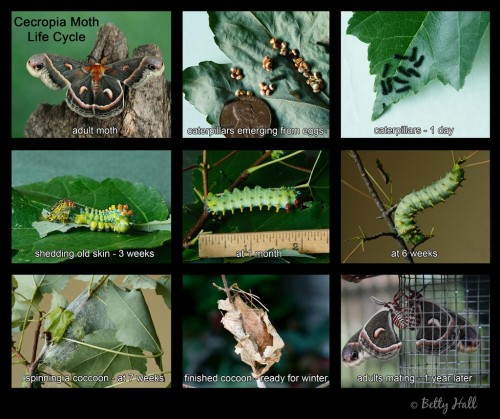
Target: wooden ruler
264	243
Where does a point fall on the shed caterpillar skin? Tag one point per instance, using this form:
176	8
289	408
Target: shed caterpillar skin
116	218
404	216
278	198
60	212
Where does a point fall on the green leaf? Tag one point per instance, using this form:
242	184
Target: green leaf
29	294
58	300
134	282
130	314
13	289
244	37
57	322
164	288
448	41
86	361
29	200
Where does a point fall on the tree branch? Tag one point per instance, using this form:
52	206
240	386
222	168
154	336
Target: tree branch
380	206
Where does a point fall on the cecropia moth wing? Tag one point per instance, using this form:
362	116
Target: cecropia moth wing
94	90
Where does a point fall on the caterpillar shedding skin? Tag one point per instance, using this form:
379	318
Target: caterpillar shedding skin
400	57
403	71
385	70
404	216
115	218
400	81
413	54
403	89
414	72
283	197
419	62
60	212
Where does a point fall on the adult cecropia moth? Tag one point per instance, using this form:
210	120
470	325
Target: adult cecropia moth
439	330
284	197
94	90
376	339
404	216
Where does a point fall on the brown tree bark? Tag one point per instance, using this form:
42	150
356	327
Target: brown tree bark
147	112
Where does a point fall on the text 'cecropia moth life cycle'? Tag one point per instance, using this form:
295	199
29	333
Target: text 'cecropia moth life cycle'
284	197
117	218
94	90
404	216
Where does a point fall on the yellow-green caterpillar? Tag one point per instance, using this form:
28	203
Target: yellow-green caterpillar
116	218
283	197
404	217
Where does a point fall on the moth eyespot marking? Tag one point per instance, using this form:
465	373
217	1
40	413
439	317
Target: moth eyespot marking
377	332
39	66
108	93
68	66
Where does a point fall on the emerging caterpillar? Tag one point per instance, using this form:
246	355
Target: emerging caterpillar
283	197
413	54
385	70
60	212
384	88
115	218
414	72
403	71
419	62
400	81
403	89
404	216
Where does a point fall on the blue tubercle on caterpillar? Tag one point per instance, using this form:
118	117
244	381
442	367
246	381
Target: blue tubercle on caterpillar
284	197
439	191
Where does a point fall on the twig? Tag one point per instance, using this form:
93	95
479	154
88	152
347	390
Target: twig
19	355
224	158
92	292
35	341
379	204
226	289
204	173
205	216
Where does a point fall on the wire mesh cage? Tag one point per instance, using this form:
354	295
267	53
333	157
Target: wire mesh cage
439	326
451	345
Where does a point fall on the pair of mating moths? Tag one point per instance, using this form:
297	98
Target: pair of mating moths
94	90
439	330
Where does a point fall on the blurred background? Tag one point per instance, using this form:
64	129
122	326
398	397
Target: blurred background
298	309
